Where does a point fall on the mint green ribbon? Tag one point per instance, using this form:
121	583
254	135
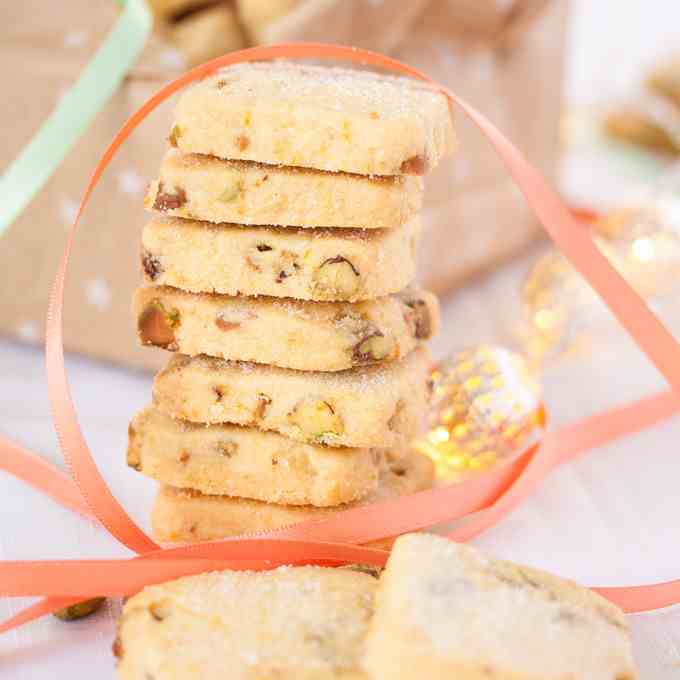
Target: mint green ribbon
27	174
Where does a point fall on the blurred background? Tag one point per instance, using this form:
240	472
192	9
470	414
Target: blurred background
589	91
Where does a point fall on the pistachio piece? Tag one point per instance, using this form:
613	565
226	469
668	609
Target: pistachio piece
156	326
336	277
160	610
226	448
80	610
418	318
416	165
373	347
151	265
316	418
231	191
117	648
169	200
231	319
175	134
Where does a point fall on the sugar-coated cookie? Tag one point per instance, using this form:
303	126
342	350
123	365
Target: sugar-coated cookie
214	190
335	119
182	515
443	610
307	264
380	406
258	14
307	336
304	623
249	463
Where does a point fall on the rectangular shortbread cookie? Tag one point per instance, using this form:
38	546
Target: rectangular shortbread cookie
214	190
317	117
249	463
181	515
443	610
307	336
307	264
382	405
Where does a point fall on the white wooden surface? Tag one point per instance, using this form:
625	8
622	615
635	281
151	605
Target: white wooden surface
609	518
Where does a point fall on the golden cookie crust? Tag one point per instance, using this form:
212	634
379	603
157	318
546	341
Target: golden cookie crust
332	119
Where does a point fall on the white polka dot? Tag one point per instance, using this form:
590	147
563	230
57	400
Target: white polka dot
98	294
130	182
173	59
68	209
75	39
27	330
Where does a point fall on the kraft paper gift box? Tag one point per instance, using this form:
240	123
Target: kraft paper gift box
503	57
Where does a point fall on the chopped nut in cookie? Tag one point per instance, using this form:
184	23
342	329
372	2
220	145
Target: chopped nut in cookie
230	320
156	326
169	200
231	191
417	165
151	266
336	277
316	419
373	347
418	318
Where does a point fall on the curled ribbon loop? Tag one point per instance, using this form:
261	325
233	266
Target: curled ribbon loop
333	539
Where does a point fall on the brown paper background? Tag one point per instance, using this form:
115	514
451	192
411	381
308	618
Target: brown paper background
508	65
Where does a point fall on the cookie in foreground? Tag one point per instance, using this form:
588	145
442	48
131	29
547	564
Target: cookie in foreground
182	515
304	623
214	190
306	336
337	119
443	610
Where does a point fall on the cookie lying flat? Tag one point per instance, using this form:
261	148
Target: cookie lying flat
316	117
181	515
307	336
445	611
246	462
307	264
379	406
213	190
305	623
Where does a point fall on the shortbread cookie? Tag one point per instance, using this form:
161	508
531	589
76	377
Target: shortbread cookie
206	32
246	462
182	515
258	14
308	336
215	190
664	80
303	623
380	406
336	119
445	611
307	264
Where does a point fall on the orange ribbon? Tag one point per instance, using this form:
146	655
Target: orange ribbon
333	540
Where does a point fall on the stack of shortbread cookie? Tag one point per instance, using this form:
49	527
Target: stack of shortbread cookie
280	259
